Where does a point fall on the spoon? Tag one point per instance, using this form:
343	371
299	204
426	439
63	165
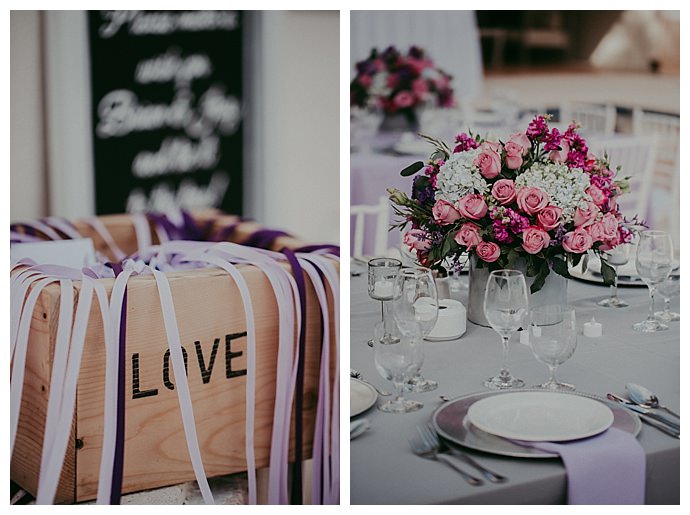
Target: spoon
643	397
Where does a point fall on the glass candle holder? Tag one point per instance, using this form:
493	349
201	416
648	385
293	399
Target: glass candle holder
382	273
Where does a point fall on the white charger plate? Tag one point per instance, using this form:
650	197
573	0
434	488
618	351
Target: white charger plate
540	416
362	396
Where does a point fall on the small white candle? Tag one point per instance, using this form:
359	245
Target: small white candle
524	337
383	289
592	329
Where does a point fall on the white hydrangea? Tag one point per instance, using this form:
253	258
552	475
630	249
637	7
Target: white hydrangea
459	176
565	186
379	86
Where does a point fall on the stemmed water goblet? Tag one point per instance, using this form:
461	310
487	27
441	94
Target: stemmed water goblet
553	338
616	257
654	261
669	289
396	359
382	273
415	308
505	306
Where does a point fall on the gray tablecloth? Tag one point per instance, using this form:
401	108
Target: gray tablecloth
383	470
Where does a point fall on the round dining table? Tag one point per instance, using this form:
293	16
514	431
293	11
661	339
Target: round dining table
383	468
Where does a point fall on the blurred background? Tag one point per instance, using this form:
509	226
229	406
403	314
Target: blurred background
615	72
130	111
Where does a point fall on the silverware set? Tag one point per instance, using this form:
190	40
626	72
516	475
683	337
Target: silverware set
429	445
649	416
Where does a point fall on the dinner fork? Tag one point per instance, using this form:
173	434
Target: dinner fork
431	435
426	449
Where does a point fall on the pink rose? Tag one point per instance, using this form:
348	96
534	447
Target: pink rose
560	156
489	162
534	239
444	213
598	196
532	200
472	206
503	190
365	80
488	251
490	145
586	216
596	231
521	140
610	226
417	239
403	99
549	217
577	241
468	235
513	155
420	87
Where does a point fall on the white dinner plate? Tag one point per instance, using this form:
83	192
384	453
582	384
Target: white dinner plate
450	421
362	396
540	416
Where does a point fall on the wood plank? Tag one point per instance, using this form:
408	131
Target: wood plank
26	459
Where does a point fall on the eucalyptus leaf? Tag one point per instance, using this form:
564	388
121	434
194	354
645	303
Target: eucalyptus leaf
412	169
560	267
540	278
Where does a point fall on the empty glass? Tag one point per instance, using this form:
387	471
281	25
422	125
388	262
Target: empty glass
654	261
415	308
364	125
505	306
397	361
553	338
382	273
616	257
669	289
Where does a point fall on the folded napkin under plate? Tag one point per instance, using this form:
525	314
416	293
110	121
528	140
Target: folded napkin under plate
607	468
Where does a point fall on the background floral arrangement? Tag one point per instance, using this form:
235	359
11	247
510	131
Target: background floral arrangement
541	197
398	83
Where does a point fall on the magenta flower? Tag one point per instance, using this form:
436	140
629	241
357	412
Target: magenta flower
464	142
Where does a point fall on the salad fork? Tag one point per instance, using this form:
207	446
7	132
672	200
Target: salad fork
421	446
432	437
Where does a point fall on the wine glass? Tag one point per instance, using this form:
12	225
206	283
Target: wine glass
617	256
654	263
382	273
553	338
669	289
396	361
415	308
505	305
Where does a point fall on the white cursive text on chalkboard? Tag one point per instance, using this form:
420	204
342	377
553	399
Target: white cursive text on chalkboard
141	23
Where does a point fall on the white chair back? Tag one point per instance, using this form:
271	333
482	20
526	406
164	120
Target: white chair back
381	212
635	155
667	128
593	118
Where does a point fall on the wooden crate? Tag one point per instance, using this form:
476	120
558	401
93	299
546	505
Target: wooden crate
211	322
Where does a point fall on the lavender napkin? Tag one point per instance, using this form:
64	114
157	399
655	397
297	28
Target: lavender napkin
608	468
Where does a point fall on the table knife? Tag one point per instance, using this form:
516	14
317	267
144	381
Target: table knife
644	411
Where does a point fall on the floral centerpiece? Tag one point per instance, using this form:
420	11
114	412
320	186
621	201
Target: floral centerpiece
540	197
399	83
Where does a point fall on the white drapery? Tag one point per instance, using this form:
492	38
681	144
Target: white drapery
450	38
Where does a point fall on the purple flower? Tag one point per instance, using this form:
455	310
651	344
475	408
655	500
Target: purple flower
553	141
537	128
424	193
464	142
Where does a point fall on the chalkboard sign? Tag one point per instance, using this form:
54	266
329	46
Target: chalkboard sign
166	110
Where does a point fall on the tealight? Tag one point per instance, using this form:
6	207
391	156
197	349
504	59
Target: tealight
592	329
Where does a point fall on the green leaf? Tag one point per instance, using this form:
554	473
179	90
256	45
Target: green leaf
608	273
512	257
575	259
412	169
560	267
533	267
585	263
540	278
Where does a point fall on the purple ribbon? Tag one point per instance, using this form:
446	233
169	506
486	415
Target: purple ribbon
333	249
118	462
263	238
296	492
